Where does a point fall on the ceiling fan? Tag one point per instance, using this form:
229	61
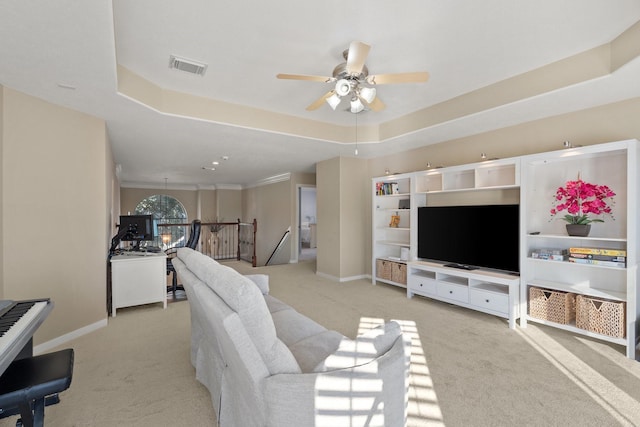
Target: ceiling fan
352	80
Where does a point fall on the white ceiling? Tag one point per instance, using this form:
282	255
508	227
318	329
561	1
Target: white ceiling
464	45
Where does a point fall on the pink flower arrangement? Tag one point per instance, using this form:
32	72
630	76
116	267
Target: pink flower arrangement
580	199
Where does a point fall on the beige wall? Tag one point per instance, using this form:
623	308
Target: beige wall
54	211
343	200
229	205
208	205
270	205
354	208
1	192
112	193
328	218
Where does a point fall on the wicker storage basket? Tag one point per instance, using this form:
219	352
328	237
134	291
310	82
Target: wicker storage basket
383	269
399	273
555	306
601	316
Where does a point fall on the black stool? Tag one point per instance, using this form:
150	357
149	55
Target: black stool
28	382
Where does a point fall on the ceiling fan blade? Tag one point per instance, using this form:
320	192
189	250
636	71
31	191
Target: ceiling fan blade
358	53
416	77
318	102
375	105
306	77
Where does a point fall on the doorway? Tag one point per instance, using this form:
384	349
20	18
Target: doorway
307	237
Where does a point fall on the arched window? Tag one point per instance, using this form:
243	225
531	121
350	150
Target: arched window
165	210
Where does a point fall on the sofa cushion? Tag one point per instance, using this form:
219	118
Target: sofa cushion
292	326
311	351
365	348
274	305
244	297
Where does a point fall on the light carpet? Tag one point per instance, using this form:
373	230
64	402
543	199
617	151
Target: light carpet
468	368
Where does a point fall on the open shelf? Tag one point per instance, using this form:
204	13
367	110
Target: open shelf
571	327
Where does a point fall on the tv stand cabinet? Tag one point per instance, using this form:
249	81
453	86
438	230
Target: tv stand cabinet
482	290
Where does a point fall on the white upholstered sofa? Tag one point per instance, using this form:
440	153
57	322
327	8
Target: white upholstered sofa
265	364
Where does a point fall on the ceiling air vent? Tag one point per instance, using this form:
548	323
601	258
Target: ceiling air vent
187	65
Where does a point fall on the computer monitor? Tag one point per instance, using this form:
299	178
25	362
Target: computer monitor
138	228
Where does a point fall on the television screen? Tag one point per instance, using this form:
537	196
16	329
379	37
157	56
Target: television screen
139	227
484	236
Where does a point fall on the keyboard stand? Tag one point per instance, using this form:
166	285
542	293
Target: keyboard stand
28	385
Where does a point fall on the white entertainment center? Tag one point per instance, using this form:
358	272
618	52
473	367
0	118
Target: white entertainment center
533	179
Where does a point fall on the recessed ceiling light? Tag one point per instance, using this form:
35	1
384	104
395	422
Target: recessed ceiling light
209	169
225	157
215	163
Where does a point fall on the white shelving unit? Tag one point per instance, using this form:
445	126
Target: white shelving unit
615	165
388	241
488	175
533	179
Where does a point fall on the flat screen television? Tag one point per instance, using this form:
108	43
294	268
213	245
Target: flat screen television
480	236
139	228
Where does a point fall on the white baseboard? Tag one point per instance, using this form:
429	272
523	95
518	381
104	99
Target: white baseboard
328	276
342	279
349	279
46	346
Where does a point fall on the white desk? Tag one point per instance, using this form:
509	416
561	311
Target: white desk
138	279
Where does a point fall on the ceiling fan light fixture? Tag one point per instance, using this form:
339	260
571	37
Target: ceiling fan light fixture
333	101
368	94
343	87
356	105
349	78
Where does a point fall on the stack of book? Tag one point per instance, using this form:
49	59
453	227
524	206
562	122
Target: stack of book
599	256
386	188
550	254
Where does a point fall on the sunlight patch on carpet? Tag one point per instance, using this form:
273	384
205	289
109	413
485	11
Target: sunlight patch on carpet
624	408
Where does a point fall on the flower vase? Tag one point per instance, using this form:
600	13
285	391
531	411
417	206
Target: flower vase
579	230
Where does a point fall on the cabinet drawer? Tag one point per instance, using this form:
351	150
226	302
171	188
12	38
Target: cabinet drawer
454	292
422	284
489	300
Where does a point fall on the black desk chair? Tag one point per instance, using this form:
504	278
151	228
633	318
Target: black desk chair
194	237
30	384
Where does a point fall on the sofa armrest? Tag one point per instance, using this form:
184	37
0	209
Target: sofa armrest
373	394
